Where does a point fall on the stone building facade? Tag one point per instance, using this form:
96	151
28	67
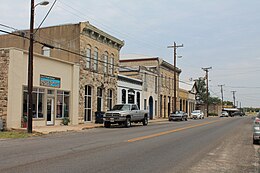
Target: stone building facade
4	66
164	81
96	53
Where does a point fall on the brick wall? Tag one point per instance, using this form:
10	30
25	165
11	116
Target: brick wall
4	65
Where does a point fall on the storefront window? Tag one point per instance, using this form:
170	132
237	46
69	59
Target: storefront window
37	102
62	104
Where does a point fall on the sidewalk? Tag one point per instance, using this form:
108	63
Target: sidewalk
60	128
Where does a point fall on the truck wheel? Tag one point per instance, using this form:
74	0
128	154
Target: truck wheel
254	141
145	121
128	122
107	124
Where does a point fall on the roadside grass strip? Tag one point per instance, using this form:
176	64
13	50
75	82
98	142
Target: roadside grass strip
170	131
16	134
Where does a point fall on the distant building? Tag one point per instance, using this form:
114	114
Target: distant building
149	94
160	86
187	95
129	90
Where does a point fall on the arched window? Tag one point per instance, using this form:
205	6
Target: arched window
111	65
109	99
99	99
88	103
95	59
131	96
138	99
46	51
123	96
105	62
88	57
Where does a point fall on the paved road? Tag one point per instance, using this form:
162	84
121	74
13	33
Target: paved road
209	145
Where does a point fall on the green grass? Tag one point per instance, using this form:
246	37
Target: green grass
16	134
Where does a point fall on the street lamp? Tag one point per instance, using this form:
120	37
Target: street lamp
42	3
30	65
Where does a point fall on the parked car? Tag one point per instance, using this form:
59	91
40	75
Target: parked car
224	114
256	129
238	113
197	114
178	115
125	114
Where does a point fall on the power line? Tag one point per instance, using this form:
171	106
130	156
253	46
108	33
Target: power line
127	35
45	17
78	54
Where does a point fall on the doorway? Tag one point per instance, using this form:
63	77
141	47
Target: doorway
151	107
50	111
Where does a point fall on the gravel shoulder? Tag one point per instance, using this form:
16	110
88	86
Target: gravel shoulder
235	154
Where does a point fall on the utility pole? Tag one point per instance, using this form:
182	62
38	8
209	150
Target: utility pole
207	78
30	71
30	65
175	46
234	98
222	95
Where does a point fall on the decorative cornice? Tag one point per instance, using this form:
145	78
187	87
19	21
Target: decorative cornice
170	66
101	36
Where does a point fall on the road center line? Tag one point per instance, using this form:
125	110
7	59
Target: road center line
170	131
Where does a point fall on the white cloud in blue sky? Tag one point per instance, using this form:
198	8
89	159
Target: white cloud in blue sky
224	34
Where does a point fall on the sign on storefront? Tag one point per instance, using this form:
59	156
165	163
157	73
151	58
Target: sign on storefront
49	81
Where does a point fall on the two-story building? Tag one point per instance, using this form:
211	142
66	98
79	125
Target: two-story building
161	82
93	51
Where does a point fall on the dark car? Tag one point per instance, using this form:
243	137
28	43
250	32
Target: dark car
178	115
238	113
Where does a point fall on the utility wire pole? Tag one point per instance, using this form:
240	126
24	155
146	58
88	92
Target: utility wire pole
207	78
222	95
234	98
30	71
30	65
175	46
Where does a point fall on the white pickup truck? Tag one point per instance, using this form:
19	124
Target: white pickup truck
125	114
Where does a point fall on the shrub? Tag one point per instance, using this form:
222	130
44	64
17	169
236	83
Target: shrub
213	114
65	121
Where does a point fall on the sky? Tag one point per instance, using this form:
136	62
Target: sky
222	34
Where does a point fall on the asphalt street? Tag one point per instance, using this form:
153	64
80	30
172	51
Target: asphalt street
209	145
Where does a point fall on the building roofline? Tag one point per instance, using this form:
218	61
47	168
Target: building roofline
138	59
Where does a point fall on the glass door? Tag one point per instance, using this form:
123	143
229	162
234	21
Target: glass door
50	111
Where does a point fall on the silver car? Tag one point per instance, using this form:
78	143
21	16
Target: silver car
197	114
178	115
256	129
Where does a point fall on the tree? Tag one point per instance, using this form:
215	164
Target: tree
202	93
228	103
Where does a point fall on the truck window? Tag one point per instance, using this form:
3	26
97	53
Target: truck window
134	107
